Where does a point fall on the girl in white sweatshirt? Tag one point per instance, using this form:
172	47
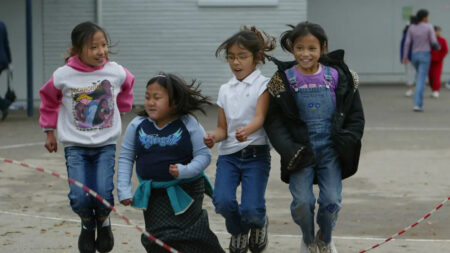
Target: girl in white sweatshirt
83	100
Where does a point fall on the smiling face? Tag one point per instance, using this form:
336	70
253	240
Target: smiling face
95	51
241	61
157	104
307	51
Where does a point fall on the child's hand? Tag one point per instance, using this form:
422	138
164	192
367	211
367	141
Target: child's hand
126	202
209	140
241	134
173	170
50	143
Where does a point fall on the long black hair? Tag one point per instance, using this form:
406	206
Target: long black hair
82	34
289	37
187	98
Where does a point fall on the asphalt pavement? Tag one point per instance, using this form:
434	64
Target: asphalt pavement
403	175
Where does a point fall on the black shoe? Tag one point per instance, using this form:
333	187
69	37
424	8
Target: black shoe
239	243
86	241
4	105
105	239
258	238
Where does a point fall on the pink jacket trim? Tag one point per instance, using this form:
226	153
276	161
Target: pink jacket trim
51	99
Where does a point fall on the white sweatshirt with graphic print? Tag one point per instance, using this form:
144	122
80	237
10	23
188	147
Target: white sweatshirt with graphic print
84	103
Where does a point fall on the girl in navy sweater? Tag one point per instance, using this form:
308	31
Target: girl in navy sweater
167	145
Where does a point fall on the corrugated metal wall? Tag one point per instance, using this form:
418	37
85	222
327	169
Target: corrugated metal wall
166	35
59	18
371	31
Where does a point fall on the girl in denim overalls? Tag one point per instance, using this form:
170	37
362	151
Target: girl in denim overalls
309	109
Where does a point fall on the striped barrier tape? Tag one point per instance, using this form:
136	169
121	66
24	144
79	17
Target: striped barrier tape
97	196
407	228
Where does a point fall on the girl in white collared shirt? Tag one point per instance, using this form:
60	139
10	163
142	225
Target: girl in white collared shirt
244	156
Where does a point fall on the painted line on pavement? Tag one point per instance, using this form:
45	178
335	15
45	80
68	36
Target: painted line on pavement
226	233
23	145
420	129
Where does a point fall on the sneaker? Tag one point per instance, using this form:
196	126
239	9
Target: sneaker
258	238
324	247
308	248
105	238
4	114
409	93
239	243
417	109
435	94
86	241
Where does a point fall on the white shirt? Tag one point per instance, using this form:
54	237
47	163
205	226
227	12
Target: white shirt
238	100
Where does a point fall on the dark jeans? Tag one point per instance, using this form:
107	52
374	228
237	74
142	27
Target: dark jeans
249	167
93	167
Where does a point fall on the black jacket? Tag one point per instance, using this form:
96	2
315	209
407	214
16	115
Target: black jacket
5	53
288	133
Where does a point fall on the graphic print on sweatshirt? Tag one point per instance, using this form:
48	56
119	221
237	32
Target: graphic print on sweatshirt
93	106
148	140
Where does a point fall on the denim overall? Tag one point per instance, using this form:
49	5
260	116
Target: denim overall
316	107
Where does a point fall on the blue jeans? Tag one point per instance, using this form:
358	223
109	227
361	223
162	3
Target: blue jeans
250	167
421	62
328	174
93	167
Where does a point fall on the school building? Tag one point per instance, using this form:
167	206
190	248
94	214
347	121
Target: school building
181	36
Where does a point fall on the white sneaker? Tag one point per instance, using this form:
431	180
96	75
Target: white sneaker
435	94
310	248
417	109
409	93
323	247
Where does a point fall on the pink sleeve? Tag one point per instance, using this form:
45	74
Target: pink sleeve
50	102
125	97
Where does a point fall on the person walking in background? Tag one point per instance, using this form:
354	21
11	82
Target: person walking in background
87	78
424	38
166	143
244	156
410	72
5	63
437	63
315	122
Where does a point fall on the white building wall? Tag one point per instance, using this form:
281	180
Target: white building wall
371	31
181	37
59	18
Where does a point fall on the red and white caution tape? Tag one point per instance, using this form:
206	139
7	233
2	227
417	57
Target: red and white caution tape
407	228
97	196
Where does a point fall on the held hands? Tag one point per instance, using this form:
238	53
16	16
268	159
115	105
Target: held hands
126	202
50	143
209	140
173	170
241	134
